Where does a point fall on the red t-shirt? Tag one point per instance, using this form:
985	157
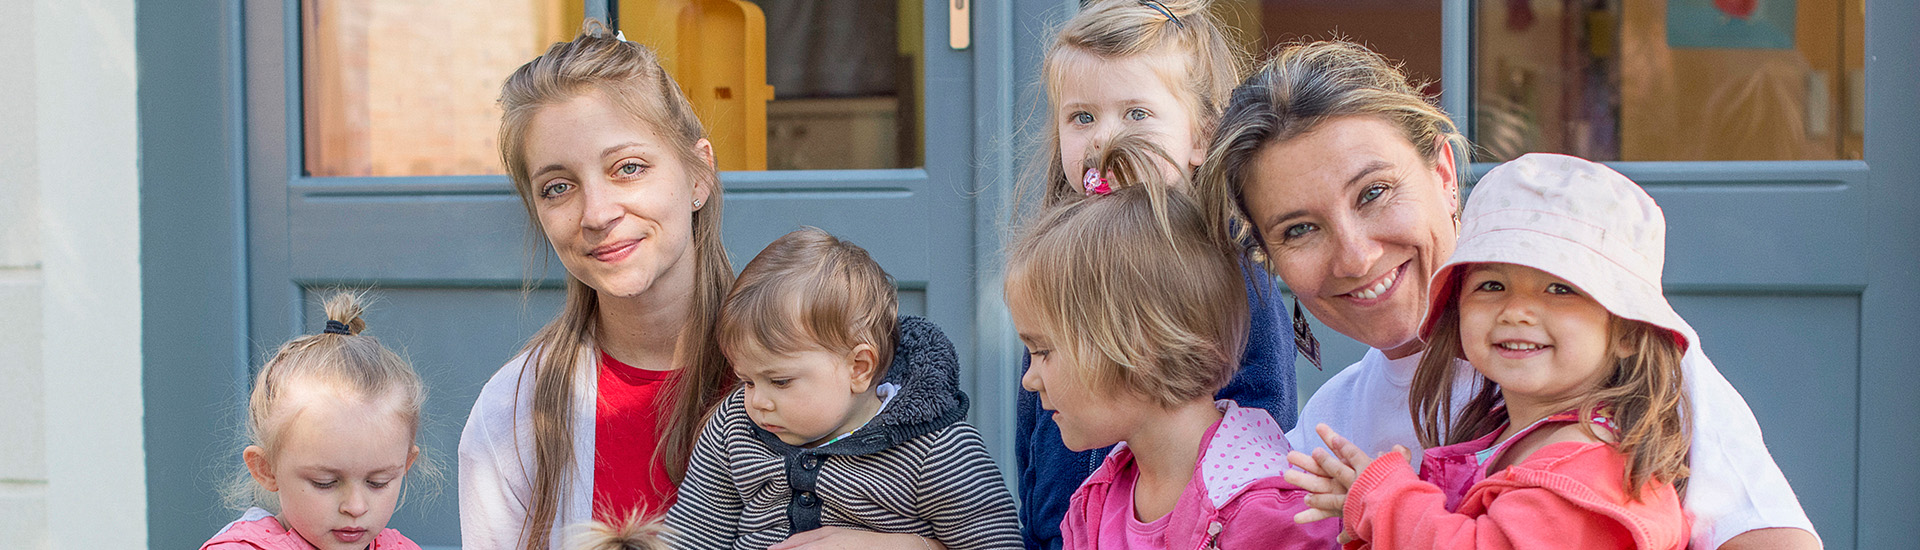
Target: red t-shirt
627	475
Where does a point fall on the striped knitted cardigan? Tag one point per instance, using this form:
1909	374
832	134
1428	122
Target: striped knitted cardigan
916	468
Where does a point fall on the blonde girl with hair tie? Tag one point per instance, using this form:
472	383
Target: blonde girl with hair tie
331	425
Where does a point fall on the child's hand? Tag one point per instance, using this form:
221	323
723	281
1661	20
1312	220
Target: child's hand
1328	475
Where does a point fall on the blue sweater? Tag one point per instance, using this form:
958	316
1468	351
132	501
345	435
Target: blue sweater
1049	472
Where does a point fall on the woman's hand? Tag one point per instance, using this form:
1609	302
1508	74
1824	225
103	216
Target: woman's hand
1328	475
836	538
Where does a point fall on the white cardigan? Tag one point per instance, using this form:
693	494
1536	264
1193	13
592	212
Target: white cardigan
496	458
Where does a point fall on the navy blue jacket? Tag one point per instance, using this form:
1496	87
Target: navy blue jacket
1049	472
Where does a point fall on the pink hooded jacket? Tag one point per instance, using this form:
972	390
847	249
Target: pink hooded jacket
258	530
1235	500
1564	495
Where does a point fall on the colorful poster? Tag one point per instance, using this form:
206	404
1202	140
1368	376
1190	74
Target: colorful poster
1730	24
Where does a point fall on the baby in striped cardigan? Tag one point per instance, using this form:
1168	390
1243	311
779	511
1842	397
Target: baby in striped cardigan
848	422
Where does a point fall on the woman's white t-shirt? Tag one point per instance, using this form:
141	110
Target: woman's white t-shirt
1735	486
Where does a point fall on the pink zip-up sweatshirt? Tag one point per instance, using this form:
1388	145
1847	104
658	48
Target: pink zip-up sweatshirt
1564	495
258	530
1236	499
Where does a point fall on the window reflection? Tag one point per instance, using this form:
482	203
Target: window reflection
1668	79
1406	31
844	77
408	88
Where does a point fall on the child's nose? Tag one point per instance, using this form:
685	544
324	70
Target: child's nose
355	504
1030	380
758	401
1518	310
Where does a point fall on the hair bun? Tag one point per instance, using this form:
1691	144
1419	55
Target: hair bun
346	308
595	28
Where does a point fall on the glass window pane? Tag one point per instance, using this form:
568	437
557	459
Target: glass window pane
1669	79
1406	31
408	88
844	77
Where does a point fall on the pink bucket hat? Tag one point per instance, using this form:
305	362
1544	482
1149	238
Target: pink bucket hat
1575	219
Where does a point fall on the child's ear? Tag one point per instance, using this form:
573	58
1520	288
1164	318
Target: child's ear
412	454
1199	153
262	470
863	360
1624	345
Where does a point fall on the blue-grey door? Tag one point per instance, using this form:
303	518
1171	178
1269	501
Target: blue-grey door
447	256
1798	274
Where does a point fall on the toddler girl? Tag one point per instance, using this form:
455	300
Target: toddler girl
1575	438
332	423
1132	318
1161	70
850	422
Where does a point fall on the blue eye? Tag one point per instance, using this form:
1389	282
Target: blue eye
1372	192
1137	113
1081	117
629	169
1296	231
555	188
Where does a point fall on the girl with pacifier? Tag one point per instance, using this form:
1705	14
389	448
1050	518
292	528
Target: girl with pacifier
1161	71
331	425
1575	437
1132	318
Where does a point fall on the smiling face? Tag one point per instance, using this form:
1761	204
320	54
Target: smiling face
613	196
1356	222
1089	417
808	397
1098	98
1545	342
338	467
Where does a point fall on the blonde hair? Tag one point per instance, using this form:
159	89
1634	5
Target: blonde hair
1132	286
636	532
354	363
809	290
1302	86
630	76
1121	29
1645	397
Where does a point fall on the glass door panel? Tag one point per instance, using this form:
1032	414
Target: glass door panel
409	88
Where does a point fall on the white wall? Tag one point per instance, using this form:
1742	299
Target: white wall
71	459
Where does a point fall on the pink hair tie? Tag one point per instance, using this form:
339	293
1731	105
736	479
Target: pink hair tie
1094	183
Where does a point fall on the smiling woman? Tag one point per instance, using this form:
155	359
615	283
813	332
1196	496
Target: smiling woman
1347	176
616	172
